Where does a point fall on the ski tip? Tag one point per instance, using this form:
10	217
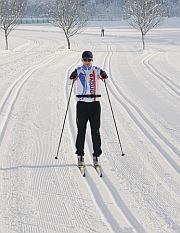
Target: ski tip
98	170
82	170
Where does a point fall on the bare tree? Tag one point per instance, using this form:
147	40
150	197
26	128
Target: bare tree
69	16
10	12
144	15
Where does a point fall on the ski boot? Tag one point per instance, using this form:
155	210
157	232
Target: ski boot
97	165
81	165
96	161
80	160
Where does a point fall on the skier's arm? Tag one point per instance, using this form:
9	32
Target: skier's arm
74	75
103	75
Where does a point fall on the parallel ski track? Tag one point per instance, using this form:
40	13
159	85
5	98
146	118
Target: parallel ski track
28	46
111	190
109	182
165	76
47	179
174	88
124	104
10	97
128	105
101	193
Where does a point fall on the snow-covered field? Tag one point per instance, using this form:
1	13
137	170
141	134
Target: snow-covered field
139	192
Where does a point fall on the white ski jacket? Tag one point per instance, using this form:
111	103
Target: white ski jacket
87	83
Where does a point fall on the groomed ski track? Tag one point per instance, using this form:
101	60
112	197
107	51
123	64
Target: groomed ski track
137	193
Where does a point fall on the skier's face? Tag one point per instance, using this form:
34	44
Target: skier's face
87	61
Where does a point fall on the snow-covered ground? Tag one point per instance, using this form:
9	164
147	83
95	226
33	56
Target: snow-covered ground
139	192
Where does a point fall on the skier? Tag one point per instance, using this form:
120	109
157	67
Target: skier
87	78
102	32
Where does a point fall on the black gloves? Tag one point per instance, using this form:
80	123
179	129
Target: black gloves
103	74
74	74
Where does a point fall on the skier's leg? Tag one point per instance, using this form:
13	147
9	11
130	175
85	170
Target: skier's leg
94	118
81	120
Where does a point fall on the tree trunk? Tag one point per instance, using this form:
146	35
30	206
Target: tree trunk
68	41
143	41
6	39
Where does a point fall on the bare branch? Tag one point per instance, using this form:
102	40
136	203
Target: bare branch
69	16
144	14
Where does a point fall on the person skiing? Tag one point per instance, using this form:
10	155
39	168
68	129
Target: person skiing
102	32
87	78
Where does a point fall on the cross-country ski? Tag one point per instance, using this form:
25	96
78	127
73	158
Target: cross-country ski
82	169
98	169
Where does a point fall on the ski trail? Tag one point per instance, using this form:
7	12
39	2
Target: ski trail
160	73
11	95
26	47
107	204
116	197
114	95
20	78
147	121
125	213
159	123
143	123
122	211
169	84
166	218
54	214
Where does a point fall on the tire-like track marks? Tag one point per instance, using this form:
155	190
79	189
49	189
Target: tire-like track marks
11	95
113	89
174	88
143	123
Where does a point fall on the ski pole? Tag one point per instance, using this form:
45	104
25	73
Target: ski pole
114	119
60	139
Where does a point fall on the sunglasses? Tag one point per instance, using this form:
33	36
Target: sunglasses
87	59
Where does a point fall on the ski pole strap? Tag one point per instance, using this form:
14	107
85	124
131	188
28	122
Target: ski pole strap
88	96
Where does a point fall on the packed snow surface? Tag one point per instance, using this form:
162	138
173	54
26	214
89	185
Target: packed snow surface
139	192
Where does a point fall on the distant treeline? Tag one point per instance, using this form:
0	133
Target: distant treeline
33	20
102	9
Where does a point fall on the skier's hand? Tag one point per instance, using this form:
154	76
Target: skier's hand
74	75
103	75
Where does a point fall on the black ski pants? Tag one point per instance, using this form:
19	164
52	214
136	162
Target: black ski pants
88	111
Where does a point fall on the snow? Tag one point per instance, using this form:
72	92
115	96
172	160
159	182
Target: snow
138	192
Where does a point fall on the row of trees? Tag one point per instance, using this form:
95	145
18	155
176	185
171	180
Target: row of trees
104	9
143	15
71	15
